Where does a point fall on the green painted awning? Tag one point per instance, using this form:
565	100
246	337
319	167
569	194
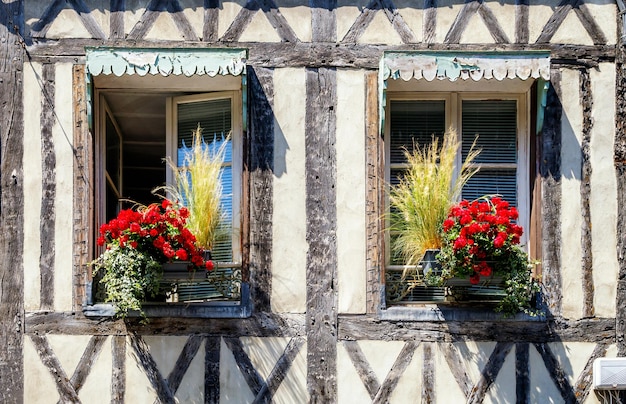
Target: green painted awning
188	62
462	66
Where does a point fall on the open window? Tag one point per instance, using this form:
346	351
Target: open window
142	119
493	98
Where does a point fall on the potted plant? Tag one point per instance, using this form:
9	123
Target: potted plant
481	241
197	185
138	242
419	203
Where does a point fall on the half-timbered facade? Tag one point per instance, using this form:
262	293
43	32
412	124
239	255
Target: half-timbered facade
311	87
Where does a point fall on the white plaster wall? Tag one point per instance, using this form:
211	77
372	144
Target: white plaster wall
39	386
571	218
63	135
347	12
289	248
350	144
32	185
603	200
298	15
233	386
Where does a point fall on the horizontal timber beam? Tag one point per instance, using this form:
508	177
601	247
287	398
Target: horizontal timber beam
588	330
75	323
306	54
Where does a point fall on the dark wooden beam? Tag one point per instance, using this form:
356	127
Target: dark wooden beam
279	372
87	360
88	20
550	171
48	192
253	378
211	20
11	202
147	20
363	368
583	385
184	360
241	22
116	19
461	20
429	389
145	359
397	370
490	372
397	22
492	24
72	323
278	21
314	55
588	330
557	373
323	20
457	367
180	20
555	21
212	348
50	361
118	374
430	22
521	21
589	23
522	373
40	28
586	101
362	22
261	173
321	227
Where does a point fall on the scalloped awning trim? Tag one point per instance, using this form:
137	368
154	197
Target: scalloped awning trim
178	62
441	66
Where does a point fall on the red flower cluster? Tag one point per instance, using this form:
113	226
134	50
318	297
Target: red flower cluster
157	230
476	234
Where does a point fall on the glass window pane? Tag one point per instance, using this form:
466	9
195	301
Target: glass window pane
495	124
415	123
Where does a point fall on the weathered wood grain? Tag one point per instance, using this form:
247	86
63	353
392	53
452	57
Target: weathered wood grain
180	20
429	390
522	373
150	368
212	347
261	168
323	20
456	366
430	22
374	204
50	361
279	372
313	55
116	19
11	203
48	192
147	20
490	372
556	372
521	21
461	20
40	28
550	171
362	22
211	20
589	23
555	21
492	24
583	384
278	21
88	20
184	360
83	190
253	379
118	374
589	330
321	227
241	22
397	22
395	373
261	324
87	360
586	101
619	156
363	368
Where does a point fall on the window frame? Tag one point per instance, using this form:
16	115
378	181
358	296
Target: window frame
453	120
241	308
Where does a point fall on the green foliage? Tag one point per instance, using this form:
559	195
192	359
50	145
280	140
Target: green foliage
128	276
420	202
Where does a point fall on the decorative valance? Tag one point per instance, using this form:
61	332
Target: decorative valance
120	61
452	66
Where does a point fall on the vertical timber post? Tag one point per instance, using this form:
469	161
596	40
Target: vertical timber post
12	202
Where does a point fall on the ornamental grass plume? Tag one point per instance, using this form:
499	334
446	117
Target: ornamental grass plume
427	189
198	186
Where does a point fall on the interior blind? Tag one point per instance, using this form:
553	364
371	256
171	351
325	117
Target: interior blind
493	123
215	119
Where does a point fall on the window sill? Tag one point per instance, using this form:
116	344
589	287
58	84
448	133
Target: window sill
442	312
216	309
